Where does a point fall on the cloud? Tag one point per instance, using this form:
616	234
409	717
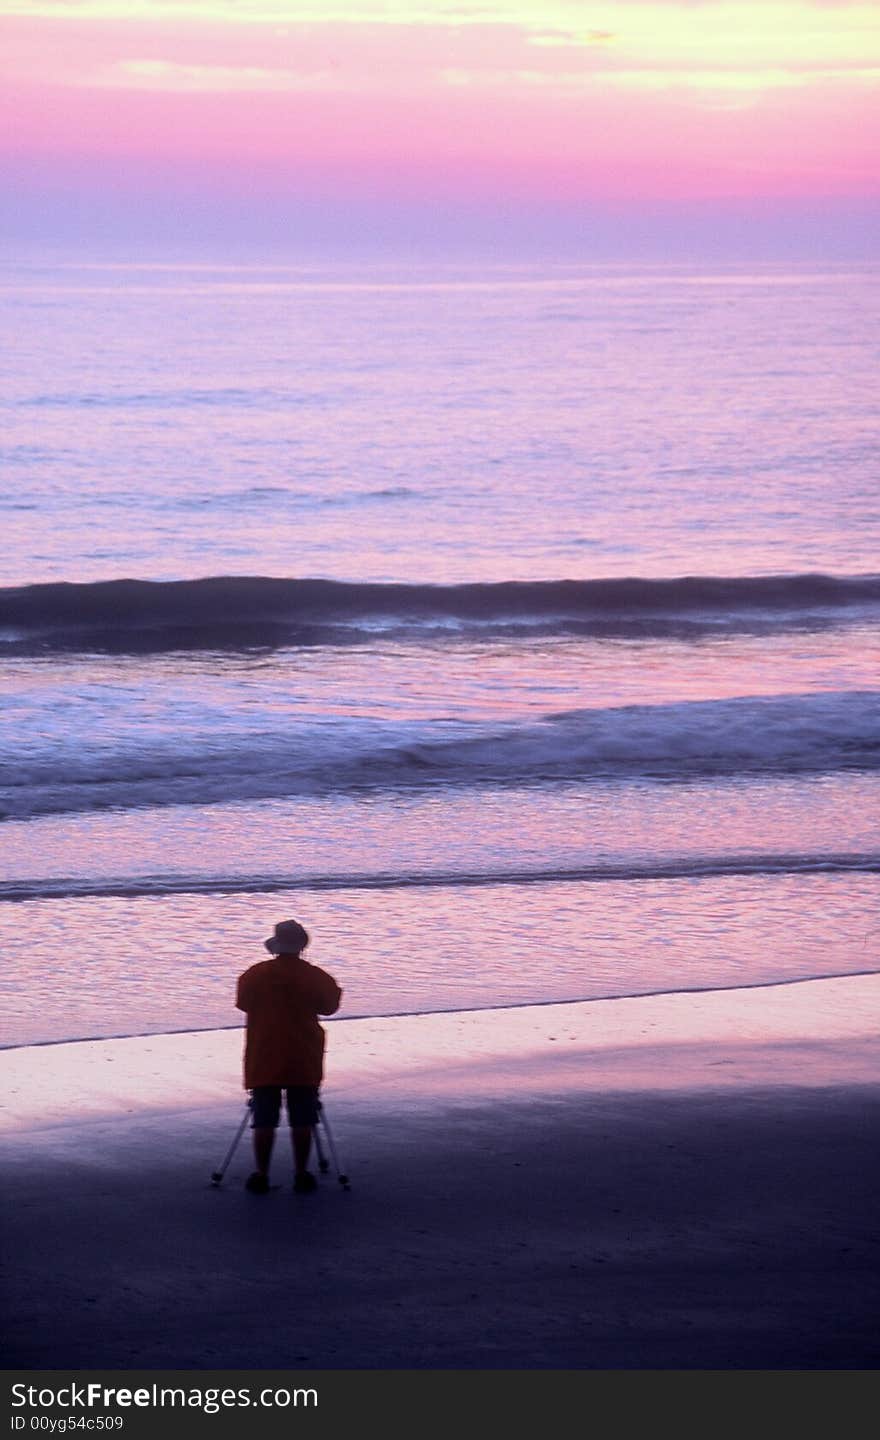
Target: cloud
571	37
205	79
719	79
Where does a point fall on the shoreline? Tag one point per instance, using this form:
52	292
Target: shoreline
464	1009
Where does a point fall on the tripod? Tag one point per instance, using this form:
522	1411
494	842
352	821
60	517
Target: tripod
323	1162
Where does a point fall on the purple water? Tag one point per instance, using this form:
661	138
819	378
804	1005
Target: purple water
585	700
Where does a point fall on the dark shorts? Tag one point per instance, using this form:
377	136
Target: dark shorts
301	1100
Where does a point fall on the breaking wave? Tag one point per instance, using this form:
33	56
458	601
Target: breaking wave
231	612
752	735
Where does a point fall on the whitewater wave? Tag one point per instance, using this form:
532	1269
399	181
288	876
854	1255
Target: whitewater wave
231	612
751	735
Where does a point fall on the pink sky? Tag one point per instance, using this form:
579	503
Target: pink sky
193	108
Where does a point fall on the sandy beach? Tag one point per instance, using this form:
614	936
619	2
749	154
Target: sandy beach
679	1182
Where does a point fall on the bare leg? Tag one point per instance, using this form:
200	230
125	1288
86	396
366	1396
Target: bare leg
264	1139
301	1136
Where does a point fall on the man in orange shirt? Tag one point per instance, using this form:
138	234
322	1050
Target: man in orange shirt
284	1048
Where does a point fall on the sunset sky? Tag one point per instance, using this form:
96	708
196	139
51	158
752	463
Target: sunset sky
374	122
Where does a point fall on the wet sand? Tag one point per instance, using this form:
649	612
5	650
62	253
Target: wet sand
684	1182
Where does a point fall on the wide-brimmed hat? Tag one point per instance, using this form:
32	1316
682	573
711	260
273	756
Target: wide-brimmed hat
289	938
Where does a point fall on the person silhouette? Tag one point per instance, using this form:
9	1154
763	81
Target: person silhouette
284	1048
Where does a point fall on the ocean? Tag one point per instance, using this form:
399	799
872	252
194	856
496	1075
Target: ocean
515	628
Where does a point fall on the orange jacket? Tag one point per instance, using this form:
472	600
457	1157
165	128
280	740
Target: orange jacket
282	998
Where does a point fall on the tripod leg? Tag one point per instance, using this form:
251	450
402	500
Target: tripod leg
217	1176
323	1163
343	1179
